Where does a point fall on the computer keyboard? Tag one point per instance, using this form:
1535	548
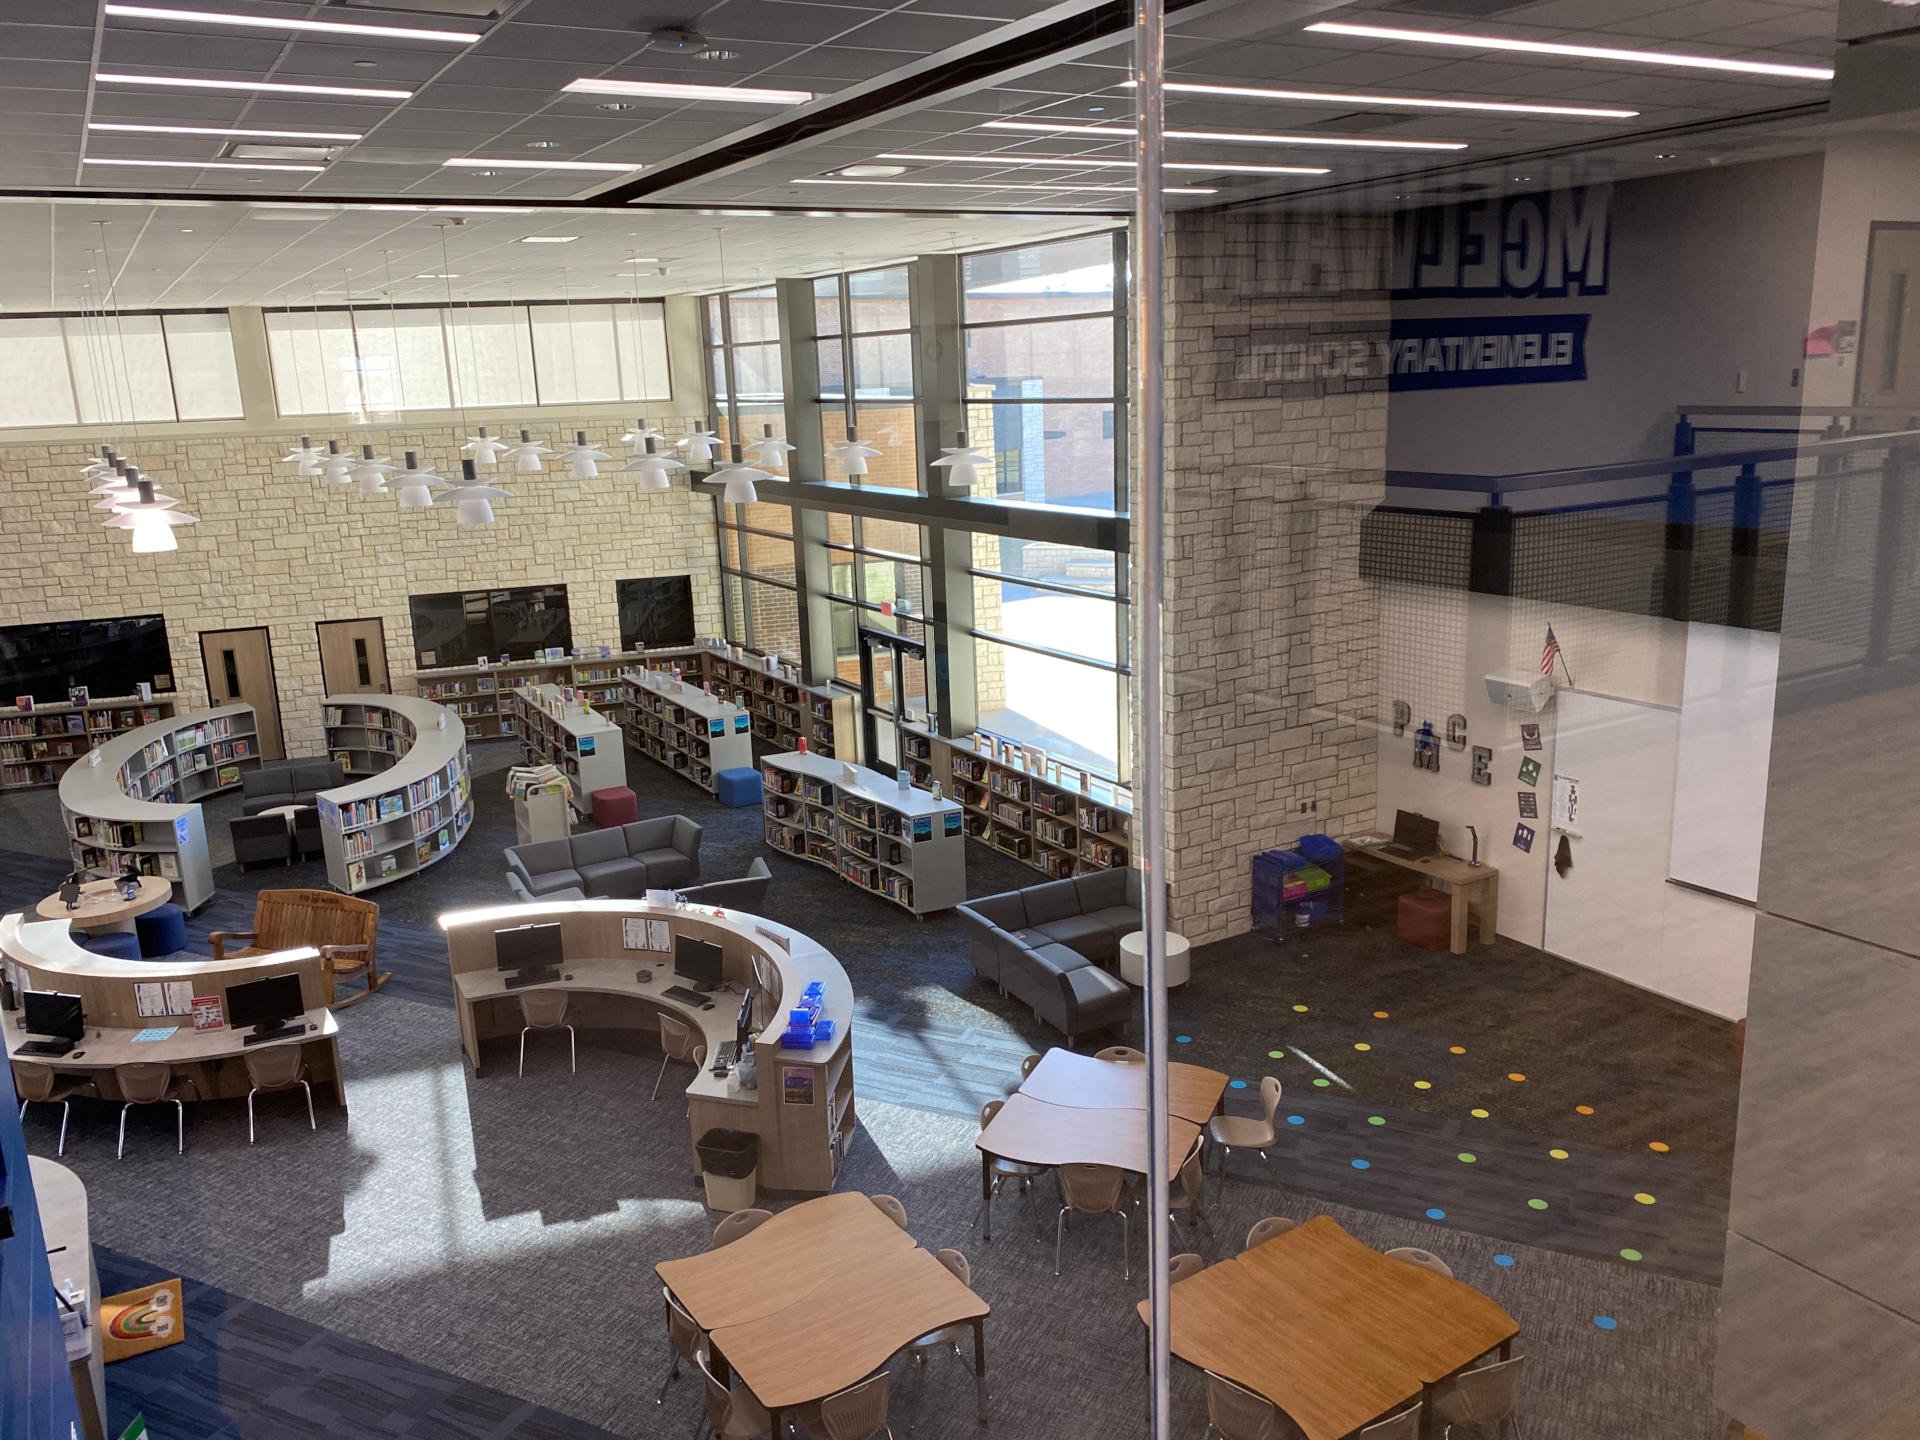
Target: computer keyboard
726	1058
258	1038
52	1048
686	996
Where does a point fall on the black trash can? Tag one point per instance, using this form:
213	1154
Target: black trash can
729	1163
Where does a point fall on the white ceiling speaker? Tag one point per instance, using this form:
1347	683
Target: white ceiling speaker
852	454
526	455
702	445
485	448
767	452
305	457
415	485
582	459
654	470
336	467
963	461
741	480
370	472
473	498
152	518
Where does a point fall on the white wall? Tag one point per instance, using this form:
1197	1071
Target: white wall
1869	177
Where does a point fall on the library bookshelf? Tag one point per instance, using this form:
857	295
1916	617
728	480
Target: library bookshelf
37	745
902	845
482	695
134	803
580	742
784	710
415	803
677	724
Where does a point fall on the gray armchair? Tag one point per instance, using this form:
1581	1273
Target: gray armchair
620	862
749	892
287	782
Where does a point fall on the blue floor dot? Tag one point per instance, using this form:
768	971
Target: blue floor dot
1606	1322
1436	1213
1505	1262
1183	1039
1362	1165
1237	1084
1296	1119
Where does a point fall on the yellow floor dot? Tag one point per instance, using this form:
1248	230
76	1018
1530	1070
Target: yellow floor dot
1479	1114
1516	1077
1423	1084
1362	1045
1380	1015
1583	1109
1299	1009
1659	1147
1558	1154
1456	1049
1644	1198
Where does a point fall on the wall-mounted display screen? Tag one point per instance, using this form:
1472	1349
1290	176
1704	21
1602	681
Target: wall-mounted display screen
109	657
463	627
655	612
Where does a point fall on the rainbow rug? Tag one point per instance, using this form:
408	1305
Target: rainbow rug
142	1320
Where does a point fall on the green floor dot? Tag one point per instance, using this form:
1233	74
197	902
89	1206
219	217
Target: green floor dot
1466	1157
1322	1082
1536	1204
1376	1119
1631	1254
1276	1054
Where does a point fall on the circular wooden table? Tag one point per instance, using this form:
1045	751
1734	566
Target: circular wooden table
101	907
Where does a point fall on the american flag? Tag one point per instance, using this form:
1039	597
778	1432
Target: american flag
1549	653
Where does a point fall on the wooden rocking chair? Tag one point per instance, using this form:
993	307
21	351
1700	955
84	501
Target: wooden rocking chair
343	929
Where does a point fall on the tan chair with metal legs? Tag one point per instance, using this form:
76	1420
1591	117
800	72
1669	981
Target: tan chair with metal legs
951	1338
1184	1265
1094	1190
277	1067
1029	1065
677	1042
1187	1194
1480	1397
1237	1413
738	1225
685	1341
38	1084
546	1010
1243	1132
858	1412
1424	1259
1016	1170
733	1414
149	1082
891	1208
1265	1230
1404	1426
1124	1054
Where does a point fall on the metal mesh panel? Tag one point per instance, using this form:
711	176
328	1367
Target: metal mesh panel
1416	547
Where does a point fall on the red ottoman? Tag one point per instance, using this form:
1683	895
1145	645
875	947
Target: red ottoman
1426	919
614	806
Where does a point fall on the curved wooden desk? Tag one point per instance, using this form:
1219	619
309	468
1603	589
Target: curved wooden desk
43	956
101	907
803	1111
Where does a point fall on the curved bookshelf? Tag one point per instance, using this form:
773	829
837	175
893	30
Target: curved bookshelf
415	802
135	800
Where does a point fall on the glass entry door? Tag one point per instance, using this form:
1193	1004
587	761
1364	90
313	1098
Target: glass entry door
893	671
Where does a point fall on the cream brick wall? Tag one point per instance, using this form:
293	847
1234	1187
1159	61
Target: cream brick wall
277	550
1276	447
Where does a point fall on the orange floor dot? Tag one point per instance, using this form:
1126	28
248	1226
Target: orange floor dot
1659	1147
1380	1015
1515	1076
1456	1049
1583	1109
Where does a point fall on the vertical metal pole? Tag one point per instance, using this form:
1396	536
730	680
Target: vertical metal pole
1149	532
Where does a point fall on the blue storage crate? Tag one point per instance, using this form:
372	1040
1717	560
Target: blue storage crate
1273	911
1321	850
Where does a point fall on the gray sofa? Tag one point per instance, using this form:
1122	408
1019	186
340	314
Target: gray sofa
287	782
621	862
1048	944
746	893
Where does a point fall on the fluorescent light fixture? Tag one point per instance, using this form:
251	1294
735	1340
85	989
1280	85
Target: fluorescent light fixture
431	276
1571	52
202	164
1239	137
673	90
1369	101
1005	185
548	239
225	132
270	87
598	167
262	22
1114	163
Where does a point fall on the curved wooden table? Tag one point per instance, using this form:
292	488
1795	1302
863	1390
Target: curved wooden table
101	907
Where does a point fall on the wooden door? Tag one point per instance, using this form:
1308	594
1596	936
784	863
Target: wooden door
353	656
1889	371
240	671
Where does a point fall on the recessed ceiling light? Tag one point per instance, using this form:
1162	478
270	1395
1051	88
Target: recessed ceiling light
1666	155
1004	185
870	172
1096	109
717	52
1367	100
1101	162
227	131
186	232
543	144
672	90
365	64
1571	52
598	167
271	87
200	164
616	106
1238	137
431	276
262	22
548	239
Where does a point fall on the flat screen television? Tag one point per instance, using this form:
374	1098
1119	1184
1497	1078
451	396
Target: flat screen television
655	612
110	657
265	1003
464	627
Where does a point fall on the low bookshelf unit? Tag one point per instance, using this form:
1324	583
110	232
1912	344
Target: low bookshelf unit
482	695
679	725
904	845
579	742
37	745
416	802
134	803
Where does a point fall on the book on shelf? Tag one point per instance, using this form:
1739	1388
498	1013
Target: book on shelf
389	863
392	805
357	875
228	775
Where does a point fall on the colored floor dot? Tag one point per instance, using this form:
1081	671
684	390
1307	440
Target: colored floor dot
1376	1119
1276	1054
1322	1082
1536	1204
1183	1039
1505	1262
1423	1084
1296	1119
1299	1009
1643	1198
1583	1109
1466	1157
1631	1254
1456	1049
1558	1154
1362	1165
1436	1213
1606	1322
1478	1113
1515	1076
1659	1147
1362	1046
1380	1015
1237	1084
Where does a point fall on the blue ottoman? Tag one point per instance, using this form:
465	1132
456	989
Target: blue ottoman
739	787
161	931
117	943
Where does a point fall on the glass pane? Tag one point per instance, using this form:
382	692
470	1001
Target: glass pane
403	361
206	384
713	320
757	370
883	366
775	618
1071	711
767	557
1069	277
833	369
314	366
826	305
717	377
895	535
1072	358
1057	454
575	354
34	389
763	515
879	300
755	315
642	333
492	355
1076	624
736	608
729	547
890	429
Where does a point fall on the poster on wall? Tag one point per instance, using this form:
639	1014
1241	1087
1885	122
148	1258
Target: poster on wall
1529	805
1529	737
1566	803
1523	838
1529	772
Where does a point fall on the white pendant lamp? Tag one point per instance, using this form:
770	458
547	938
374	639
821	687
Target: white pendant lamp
94	469
116	486
526	455
485	448
305	457
740	481
767	452
370	472
963	460
640	434
415	485
582	458
702	445
654	470
852	454
473	497
336	466
152	518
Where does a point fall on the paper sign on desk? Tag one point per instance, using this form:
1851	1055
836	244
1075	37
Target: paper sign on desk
171	997
154	1032
659	935
209	1013
633	934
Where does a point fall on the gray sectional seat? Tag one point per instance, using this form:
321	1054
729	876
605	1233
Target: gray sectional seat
1050	945
622	862
287	782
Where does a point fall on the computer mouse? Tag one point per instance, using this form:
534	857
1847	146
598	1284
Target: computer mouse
707	1006
77	1054
566	977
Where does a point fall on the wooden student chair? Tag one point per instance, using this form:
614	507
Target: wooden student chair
342	928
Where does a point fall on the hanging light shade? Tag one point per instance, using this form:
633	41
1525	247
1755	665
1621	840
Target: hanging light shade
415	485
152	518
94	469
473	498
304	457
741	480
963	460
526	455
370	472
655	471
852	454
485	448
582	459
640	434
702	445
767	452
116	486
336	466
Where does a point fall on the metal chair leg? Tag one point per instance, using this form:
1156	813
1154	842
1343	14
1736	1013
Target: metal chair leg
673	1374
65	1107
523	1051
661	1076
311	1125
573	1051
180	1127
250	1094
1059	1228
120	1151
1126	1247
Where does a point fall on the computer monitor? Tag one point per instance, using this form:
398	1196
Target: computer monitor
743	1022
1416	832
48	1012
698	961
265	1004
528	947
